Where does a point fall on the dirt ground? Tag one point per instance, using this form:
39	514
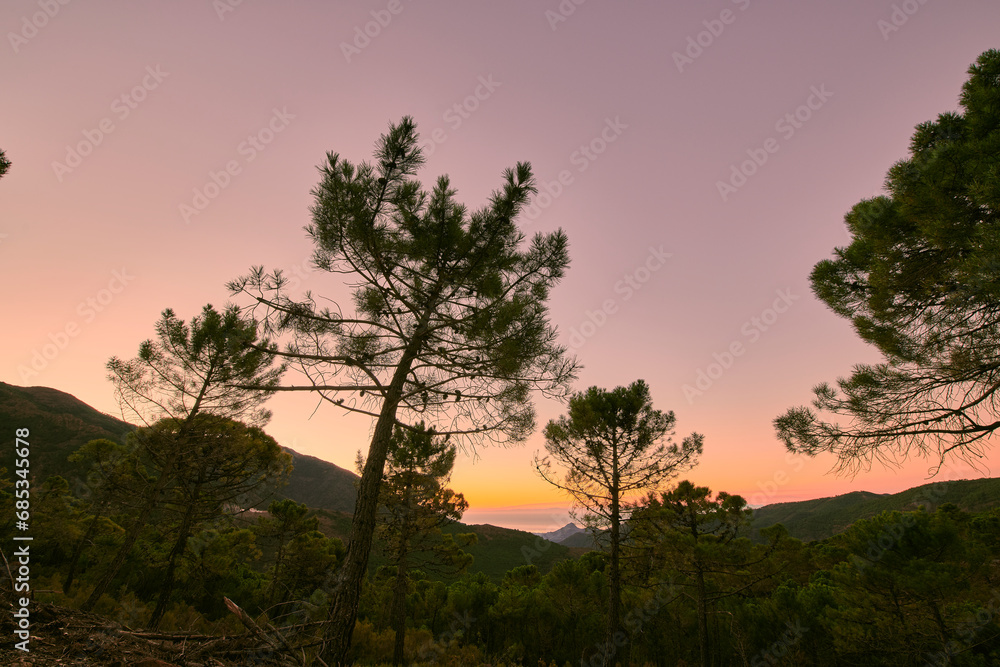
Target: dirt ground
61	636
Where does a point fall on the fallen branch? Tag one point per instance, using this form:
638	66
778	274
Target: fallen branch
171	637
10	575
256	630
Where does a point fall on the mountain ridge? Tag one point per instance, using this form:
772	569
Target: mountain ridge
60	423
820	518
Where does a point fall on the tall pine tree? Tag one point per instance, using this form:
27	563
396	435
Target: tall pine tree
449	325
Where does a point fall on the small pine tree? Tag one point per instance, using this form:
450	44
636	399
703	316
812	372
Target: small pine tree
417	506
614	447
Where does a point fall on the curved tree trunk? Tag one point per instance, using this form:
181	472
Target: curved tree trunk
180	545
344	610
152	500
78	549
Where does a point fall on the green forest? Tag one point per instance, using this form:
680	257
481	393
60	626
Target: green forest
172	526
900	588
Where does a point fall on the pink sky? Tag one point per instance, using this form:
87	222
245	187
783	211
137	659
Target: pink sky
117	115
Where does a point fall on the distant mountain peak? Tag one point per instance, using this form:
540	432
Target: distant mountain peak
567	531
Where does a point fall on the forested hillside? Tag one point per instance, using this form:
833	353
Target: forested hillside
519	588
821	518
64	424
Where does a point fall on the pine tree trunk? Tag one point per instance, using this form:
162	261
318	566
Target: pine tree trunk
346	596
179	547
152	500
702	619
78	550
398	614
615	596
278	557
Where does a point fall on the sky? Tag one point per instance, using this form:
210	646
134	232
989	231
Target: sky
699	156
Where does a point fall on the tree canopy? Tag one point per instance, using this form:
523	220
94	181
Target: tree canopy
450	322
614	448
224	467
214	364
212	367
920	281
699	543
